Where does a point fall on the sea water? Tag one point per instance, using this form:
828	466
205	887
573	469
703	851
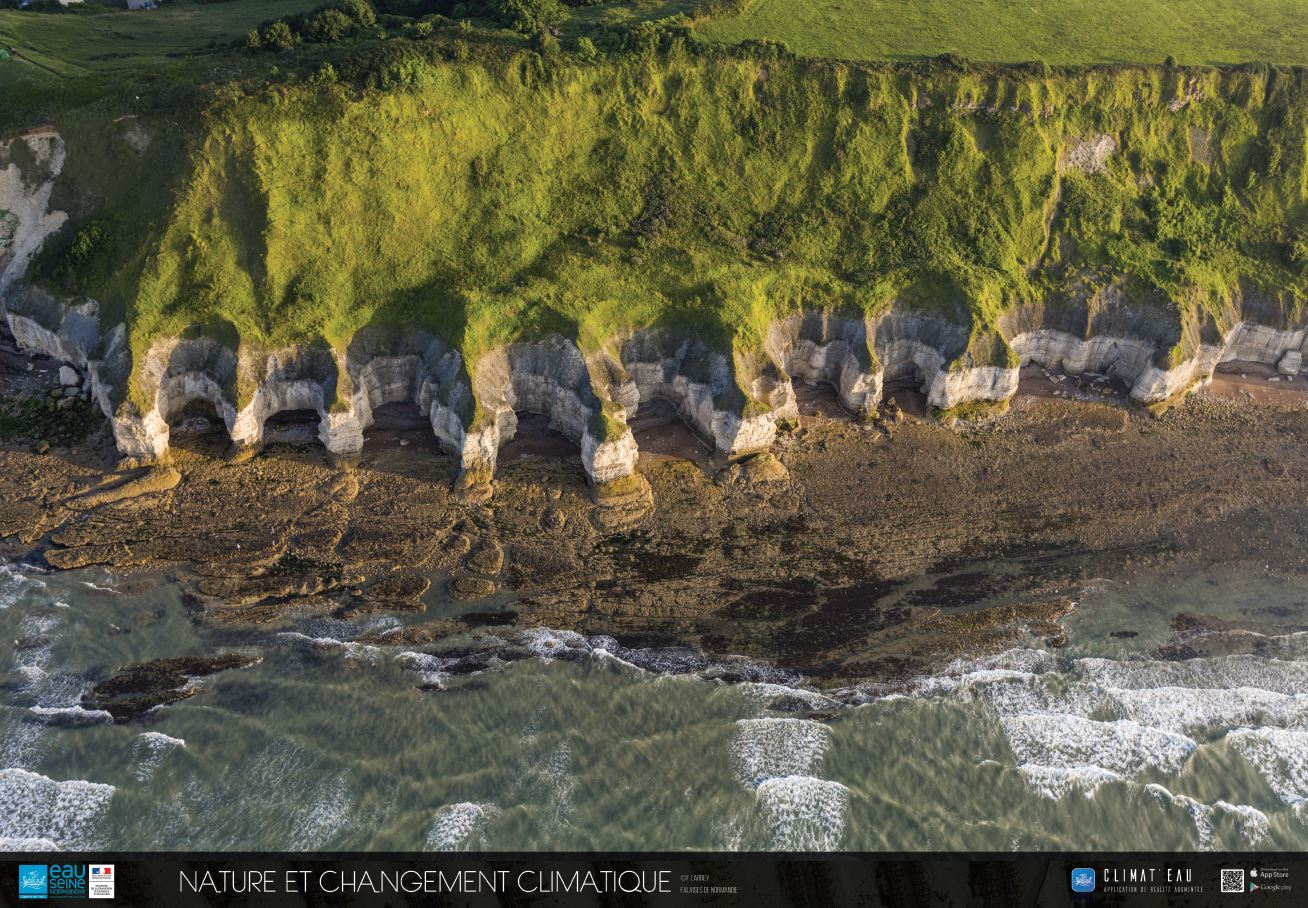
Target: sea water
328	743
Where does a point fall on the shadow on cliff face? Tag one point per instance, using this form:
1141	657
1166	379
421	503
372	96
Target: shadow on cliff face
198	429
535	438
817	401
661	434
398	425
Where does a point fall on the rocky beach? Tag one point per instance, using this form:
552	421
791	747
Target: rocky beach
870	550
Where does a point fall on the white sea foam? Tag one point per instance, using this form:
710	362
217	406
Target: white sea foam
766	693
548	643
1283	677
350	650
14	582
461	827
66	813
1187	710
323	817
559	774
151	749
69	716
15	843
1123	747
1057	782
1251	823
774	748
1020	659
1279	755
803	813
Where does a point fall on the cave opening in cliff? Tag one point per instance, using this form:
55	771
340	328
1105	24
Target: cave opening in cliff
907	394
198	427
660	432
292	427
818	400
535	438
399	424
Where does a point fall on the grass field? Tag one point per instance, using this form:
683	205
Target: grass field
69	60
1056	31
74	45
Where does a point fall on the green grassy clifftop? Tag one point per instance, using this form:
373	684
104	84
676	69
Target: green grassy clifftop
489	202
519	193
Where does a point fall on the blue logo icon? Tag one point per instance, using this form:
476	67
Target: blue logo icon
32	881
1083	879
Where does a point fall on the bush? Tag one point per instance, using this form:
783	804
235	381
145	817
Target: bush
328	27
586	50
278	36
359	11
528	16
83	248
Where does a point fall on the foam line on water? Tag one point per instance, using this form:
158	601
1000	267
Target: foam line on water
1122	746
1187	710
69	716
1057	782
151	748
1229	672
1251	823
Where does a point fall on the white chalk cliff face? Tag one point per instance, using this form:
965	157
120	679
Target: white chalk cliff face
732	400
25	215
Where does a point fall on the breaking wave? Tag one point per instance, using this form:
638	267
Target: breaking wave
772	748
803	813
33	806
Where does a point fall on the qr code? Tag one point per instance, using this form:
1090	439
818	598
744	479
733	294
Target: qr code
1233	881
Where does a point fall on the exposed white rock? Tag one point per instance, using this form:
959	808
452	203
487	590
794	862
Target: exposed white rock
819	347
971	384
68	377
1134	361
1290	363
25	218
702	386
1089	154
552	378
931	352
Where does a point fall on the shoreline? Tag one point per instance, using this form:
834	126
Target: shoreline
856	551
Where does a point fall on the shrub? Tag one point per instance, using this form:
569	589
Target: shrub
278	36
586	50
359	11
528	16
328	27
79	252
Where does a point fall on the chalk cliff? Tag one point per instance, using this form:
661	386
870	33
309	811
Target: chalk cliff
732	398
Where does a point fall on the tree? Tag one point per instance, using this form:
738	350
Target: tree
529	16
328	26
278	36
360	11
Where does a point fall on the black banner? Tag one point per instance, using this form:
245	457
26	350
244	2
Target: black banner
981	880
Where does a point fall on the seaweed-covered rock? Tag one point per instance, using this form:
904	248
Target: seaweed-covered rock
138	689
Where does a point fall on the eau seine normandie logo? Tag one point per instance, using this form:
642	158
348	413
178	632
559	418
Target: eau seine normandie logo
64	881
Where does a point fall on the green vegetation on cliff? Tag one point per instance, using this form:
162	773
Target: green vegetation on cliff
494	186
